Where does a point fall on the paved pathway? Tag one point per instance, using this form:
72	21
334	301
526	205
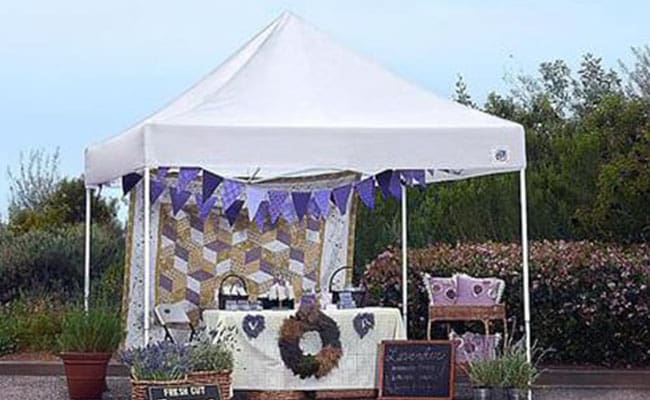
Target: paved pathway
54	388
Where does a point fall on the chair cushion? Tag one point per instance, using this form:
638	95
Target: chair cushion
442	291
479	291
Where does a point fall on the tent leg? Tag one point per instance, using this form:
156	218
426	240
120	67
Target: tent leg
526	274
404	261
147	258
89	196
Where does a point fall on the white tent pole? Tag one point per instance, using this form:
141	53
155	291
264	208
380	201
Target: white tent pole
404	261
524	251
147	258
89	196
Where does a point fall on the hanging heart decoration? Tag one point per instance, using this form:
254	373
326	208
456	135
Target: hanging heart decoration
253	325
363	323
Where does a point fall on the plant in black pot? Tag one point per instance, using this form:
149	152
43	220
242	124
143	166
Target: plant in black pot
518	373
87	342
486	376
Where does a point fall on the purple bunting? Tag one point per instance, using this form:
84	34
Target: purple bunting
312	208
162	173
185	176
232	212
340	196
254	197
300	202
179	198
156	190
277	198
419	177
231	191
260	216
204	206
289	211
383	181
322	199
129	181
210	183
413	177
366	190
395	186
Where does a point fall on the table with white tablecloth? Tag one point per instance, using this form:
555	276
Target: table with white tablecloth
258	365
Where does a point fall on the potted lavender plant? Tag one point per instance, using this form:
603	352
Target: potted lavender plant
211	359
87	341
158	364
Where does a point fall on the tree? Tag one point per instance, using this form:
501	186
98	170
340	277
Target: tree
639	75
461	94
35	180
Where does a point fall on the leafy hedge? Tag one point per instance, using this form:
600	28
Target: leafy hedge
52	260
590	301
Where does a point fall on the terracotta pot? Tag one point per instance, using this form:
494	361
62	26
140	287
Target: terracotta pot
86	374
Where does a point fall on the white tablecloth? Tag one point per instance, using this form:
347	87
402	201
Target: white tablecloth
258	365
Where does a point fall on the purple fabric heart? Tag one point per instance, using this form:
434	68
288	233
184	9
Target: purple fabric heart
179	198
129	181
210	183
340	196
253	325
363	323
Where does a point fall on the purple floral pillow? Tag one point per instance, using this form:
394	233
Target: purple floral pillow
479	291
442	291
473	346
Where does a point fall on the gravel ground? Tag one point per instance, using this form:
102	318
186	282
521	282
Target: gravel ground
54	388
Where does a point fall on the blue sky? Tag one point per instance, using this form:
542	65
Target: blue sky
75	71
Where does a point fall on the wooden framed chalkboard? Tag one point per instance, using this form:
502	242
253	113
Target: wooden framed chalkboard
185	392
416	370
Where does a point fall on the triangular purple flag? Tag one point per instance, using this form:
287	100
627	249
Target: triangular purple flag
254	197
395	186
129	181
231	191
206	207
300	202
210	183
419	177
312	208
260	216
340	196
288	211
162	173
233	211
185	176
277	198
383	181
156	190
179	198
322	199
366	190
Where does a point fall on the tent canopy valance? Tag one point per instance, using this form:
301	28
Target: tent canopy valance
293	102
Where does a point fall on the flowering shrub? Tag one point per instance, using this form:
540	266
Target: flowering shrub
589	301
161	361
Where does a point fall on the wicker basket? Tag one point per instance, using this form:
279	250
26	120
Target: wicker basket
222	379
139	388
274	395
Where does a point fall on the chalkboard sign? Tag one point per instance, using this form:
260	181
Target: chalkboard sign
185	392
416	369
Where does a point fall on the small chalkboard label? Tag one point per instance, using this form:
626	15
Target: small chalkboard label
416	369
185	392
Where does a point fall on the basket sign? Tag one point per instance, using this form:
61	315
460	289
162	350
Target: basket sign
416	369
185	392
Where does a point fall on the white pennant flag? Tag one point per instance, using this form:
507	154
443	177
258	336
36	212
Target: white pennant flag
254	197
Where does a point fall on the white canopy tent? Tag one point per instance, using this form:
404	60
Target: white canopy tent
292	102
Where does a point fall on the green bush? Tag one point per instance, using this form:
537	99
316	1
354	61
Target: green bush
52	261
96	331
579	290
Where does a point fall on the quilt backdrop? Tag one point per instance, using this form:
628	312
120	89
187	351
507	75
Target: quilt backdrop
189	258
